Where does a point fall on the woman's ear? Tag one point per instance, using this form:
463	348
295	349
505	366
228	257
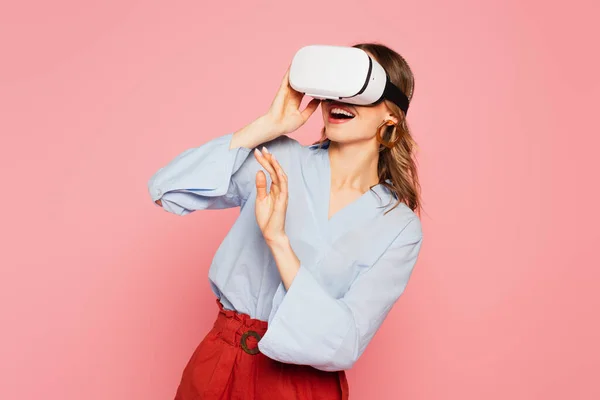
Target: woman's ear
393	118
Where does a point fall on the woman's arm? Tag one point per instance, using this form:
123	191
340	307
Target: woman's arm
311	327
261	130
271	209
287	262
219	173
307	325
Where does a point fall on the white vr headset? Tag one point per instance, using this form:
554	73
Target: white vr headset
345	74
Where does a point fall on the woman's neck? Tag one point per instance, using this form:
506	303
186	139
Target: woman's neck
353	165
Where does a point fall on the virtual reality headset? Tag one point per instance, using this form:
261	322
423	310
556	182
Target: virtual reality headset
345	74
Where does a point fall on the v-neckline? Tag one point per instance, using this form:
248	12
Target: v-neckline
354	203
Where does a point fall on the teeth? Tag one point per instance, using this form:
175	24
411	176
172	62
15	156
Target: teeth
340	111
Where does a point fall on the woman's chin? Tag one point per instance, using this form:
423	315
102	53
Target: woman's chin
338	137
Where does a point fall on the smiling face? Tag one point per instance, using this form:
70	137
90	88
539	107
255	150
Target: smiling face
346	123
342	128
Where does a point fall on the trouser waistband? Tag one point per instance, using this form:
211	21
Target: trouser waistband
239	329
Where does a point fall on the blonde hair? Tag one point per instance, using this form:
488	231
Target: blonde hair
397	162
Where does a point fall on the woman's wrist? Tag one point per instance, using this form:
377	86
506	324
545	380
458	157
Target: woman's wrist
287	262
278	242
259	131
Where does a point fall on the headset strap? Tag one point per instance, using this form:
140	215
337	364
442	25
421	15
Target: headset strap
395	95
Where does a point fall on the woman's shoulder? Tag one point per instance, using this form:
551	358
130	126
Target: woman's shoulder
399	218
294	145
285	143
291	152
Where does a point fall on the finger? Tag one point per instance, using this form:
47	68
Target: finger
280	204
281	175
281	201
261	185
275	181
281	91
264	159
286	78
287	86
310	108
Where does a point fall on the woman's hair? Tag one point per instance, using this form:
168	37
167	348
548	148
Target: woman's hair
396	164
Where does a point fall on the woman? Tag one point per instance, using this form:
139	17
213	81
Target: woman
325	243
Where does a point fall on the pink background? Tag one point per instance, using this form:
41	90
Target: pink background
105	296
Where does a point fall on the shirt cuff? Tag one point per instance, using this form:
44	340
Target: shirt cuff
308	326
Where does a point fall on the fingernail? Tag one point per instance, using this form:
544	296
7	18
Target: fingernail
273	157
258	153
266	150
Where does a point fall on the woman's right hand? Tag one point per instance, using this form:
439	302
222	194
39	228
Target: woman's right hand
284	112
283	117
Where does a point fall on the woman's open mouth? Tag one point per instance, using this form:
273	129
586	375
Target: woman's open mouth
338	115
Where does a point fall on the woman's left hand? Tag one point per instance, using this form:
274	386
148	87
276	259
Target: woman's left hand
271	207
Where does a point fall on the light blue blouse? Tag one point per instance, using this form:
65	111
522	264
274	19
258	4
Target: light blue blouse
354	266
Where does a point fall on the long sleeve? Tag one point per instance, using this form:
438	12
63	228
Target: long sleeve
211	176
311	327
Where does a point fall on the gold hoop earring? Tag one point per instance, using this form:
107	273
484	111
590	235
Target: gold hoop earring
389	144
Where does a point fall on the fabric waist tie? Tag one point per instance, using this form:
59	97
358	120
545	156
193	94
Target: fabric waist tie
239	330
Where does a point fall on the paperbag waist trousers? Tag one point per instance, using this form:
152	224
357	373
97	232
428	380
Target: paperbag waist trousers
227	365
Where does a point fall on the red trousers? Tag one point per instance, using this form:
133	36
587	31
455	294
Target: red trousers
227	365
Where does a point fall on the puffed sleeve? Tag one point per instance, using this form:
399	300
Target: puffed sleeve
211	176
310	327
